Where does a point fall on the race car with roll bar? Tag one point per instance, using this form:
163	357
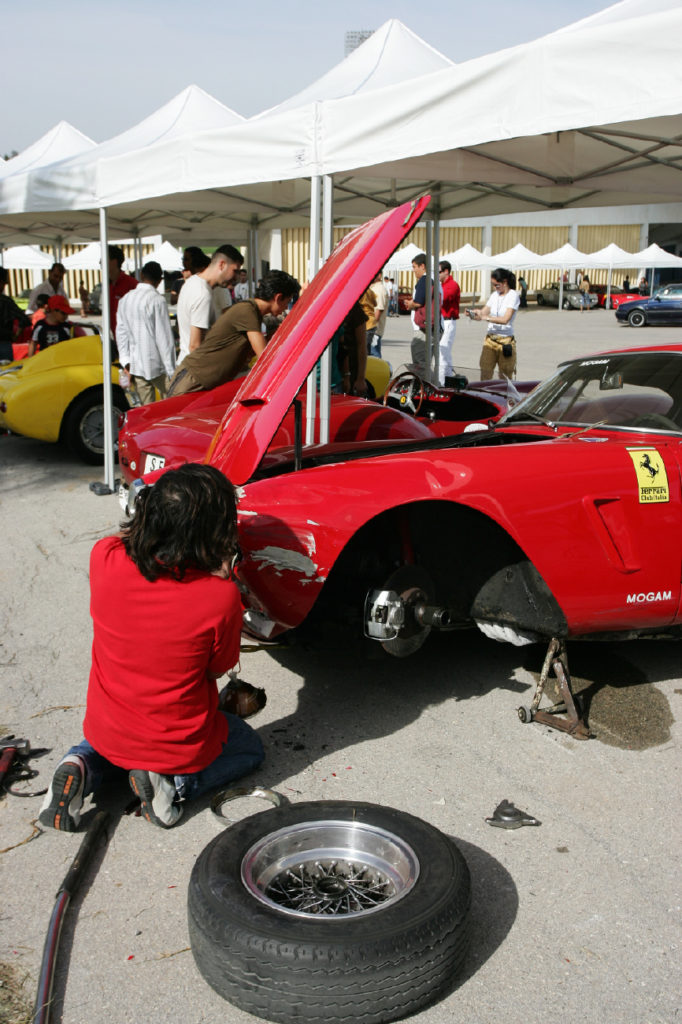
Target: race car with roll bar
560	520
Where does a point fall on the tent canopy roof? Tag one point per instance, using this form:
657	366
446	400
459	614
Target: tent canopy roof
59	143
390	55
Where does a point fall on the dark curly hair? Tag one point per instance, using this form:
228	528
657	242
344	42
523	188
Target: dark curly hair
186	520
277	282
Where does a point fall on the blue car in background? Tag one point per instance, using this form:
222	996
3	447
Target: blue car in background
665	307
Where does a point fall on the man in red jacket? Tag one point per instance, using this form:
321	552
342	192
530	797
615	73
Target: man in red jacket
166	622
450	312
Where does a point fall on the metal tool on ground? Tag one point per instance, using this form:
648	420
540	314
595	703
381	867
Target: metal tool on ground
41	1013
241	698
506	815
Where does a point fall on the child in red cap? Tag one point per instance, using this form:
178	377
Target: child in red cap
53	327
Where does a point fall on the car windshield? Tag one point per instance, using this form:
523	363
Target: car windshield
630	390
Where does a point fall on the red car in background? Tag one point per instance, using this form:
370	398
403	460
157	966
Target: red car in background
617	296
561	520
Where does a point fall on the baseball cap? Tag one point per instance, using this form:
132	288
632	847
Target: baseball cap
60	303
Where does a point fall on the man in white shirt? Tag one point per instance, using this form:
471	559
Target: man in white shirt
52	285
195	309
143	335
241	289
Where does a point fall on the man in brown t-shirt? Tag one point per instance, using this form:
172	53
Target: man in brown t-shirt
235	337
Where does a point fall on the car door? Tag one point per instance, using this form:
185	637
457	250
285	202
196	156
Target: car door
671	309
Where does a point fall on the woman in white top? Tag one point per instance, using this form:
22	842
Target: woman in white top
499	345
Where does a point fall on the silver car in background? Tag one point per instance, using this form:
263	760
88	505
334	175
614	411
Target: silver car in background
571	298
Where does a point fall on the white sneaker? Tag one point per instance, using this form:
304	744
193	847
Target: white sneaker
64	800
156	793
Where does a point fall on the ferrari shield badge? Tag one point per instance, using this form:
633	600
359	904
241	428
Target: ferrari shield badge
651	476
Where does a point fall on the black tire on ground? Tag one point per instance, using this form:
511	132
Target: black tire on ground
637	318
540	299
566	304
83	426
350	957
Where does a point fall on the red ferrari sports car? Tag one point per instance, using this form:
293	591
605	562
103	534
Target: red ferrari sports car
563	519
618	295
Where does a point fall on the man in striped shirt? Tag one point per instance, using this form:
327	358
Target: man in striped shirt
143	334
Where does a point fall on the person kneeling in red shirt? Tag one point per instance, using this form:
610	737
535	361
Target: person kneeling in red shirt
166	623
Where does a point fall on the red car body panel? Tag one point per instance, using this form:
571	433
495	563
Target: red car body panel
291	539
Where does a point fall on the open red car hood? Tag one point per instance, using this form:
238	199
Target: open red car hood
259	406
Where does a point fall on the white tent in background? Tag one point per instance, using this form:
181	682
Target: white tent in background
401	260
392	54
59	143
88	258
654	256
517	257
25	257
166	255
567	257
468	257
611	256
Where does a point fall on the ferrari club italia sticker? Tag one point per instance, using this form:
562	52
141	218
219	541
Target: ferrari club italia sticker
651	476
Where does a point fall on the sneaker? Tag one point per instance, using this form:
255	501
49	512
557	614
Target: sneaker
62	804
156	793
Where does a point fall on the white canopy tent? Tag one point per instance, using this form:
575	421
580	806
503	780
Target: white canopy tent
401	260
563	120
468	257
391	54
25	257
654	256
166	255
41	202
59	143
89	258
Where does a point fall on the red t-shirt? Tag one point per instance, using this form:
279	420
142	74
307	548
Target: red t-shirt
450	304
151	703
124	284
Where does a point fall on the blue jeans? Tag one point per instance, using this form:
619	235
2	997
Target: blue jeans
241	754
373	344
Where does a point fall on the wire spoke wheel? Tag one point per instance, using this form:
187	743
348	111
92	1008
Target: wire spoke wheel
330	868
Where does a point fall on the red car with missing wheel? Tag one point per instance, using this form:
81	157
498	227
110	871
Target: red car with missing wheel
561	520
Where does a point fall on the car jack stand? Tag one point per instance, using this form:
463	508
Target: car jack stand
573	723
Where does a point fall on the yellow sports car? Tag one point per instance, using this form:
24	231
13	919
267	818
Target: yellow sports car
57	395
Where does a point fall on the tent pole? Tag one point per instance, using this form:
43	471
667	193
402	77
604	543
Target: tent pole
253	257
314	263
561	290
436	296
429	300
108	486
326	360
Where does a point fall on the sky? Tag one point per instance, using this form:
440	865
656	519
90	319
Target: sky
104	67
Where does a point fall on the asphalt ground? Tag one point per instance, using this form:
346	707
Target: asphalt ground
575	919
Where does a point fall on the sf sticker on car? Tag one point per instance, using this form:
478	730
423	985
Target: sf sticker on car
652	479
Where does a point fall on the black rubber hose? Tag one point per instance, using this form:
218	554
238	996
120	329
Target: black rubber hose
41	1012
